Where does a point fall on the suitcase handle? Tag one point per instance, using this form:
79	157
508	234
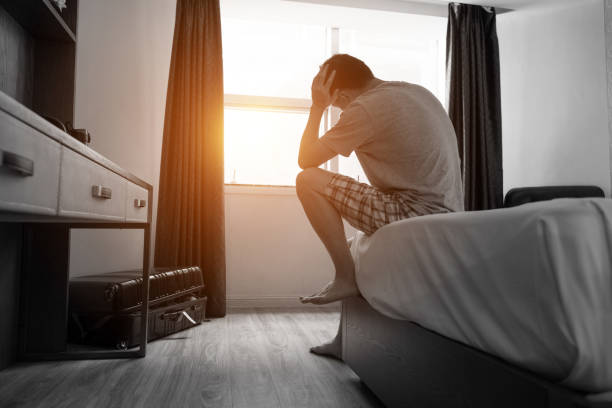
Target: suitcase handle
177	316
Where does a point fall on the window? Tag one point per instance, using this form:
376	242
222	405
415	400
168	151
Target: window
270	59
268	68
262	145
263	58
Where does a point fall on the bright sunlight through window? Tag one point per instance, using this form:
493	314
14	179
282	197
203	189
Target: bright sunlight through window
271	53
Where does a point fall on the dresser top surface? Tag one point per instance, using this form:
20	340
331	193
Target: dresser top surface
32	119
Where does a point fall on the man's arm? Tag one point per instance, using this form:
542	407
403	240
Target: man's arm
312	152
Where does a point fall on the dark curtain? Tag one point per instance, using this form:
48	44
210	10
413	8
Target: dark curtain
472	69
190	215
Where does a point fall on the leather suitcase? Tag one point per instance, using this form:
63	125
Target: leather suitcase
122	330
116	292
104	309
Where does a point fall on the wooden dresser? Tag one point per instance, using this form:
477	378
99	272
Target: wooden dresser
50	183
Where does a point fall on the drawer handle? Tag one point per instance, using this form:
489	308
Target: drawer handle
140	203
17	163
101	192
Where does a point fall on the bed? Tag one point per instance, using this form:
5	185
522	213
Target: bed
500	308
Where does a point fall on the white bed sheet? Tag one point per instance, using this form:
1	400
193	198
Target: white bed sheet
530	284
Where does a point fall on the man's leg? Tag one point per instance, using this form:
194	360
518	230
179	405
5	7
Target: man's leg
333	348
327	223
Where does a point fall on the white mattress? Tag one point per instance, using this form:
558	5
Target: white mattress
530	284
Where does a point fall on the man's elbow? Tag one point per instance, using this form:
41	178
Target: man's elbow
303	162
306	164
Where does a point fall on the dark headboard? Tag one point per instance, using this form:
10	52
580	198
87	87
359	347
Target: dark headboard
524	195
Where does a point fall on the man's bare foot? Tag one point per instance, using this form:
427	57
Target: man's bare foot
332	349
335	290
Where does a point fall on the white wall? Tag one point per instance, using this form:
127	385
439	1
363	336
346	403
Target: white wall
553	83
273	254
123	57
608	39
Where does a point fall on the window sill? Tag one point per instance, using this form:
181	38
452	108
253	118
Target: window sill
255	189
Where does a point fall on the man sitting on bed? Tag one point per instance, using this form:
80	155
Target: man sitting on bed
407	148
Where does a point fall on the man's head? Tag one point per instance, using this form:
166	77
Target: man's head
352	76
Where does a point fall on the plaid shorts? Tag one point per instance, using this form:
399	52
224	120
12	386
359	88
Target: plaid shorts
365	207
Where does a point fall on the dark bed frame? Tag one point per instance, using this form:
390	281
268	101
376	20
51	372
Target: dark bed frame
406	365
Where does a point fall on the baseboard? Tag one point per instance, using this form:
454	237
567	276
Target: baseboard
281	302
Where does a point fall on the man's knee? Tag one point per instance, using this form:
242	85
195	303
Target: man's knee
303	182
312	180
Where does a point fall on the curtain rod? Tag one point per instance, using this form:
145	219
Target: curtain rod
488	9
399	6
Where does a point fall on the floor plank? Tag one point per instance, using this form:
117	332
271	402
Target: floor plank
296	384
251	358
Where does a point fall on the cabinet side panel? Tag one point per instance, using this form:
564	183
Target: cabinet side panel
10	266
44	288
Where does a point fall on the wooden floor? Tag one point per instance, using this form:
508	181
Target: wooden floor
251	358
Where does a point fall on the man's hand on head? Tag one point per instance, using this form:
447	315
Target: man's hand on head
321	97
312	151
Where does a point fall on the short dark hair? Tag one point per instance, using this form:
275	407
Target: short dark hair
351	72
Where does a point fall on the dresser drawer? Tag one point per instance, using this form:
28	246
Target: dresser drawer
29	168
88	190
137	204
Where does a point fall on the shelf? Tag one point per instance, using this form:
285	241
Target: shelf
40	19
